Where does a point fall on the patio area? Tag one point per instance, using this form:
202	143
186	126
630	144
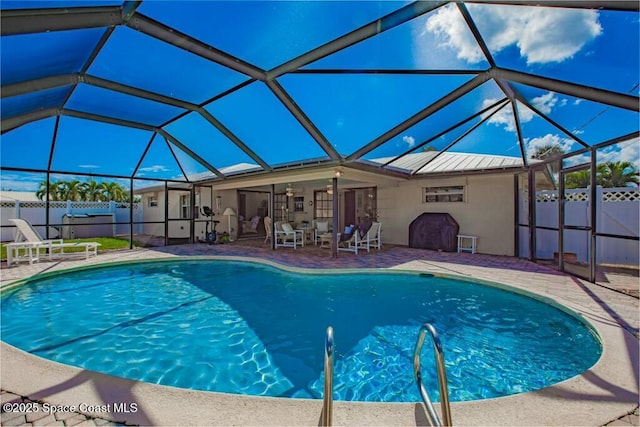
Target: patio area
606	394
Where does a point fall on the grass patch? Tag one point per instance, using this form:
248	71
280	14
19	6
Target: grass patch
106	244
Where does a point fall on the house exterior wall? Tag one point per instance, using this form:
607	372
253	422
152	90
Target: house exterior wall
153	213
488	210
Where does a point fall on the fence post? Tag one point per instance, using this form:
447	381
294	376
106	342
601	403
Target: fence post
17	207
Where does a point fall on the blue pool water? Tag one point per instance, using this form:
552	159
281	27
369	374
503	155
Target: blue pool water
248	328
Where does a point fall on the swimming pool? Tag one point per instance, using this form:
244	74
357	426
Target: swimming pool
255	329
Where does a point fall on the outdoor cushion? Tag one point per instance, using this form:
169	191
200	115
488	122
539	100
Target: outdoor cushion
364	228
348	232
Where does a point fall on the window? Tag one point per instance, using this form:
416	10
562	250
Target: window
152	201
323	204
444	194
298	204
280	207
184	206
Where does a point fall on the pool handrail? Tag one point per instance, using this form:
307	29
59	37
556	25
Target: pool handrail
442	376
327	403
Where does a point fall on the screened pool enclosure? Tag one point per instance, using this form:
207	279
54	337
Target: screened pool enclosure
186	97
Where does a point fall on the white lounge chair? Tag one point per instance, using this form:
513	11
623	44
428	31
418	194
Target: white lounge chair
287	236
28	240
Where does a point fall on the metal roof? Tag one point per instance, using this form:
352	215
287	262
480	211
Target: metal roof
434	162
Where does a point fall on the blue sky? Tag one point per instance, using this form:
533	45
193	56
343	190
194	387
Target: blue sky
598	48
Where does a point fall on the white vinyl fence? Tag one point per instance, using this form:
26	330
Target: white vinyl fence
72	214
618	212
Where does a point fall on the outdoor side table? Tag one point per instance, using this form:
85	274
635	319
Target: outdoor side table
467	243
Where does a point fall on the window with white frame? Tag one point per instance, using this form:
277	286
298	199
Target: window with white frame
152	201
280	207
184	206
323	204
453	193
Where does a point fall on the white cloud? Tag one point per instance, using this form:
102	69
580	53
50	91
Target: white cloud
628	151
580	159
542	35
89	166
452	31
534	144
545	103
20	182
411	141
154	169
504	117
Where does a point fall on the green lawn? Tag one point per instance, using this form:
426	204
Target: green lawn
106	244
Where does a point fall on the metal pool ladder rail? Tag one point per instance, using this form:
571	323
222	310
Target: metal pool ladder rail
442	376
327	405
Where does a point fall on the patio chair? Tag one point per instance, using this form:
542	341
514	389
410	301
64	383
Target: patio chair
375	238
287	236
27	236
250	226
320	228
364	235
349	240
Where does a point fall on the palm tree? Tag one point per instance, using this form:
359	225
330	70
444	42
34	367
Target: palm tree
619	174
114	192
578	179
90	191
547	152
54	190
69	190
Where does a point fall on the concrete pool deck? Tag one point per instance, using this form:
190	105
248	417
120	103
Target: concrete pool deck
604	394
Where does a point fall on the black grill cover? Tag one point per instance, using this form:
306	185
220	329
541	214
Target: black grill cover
436	231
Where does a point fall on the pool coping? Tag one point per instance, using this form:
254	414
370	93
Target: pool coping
607	390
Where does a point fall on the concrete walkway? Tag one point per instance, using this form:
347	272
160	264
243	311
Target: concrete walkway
604	395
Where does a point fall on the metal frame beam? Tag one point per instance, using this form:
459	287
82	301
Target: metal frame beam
134	91
623	5
226	132
180	40
476	33
29	21
416	118
16	121
526	102
106	119
35	85
458	139
516	119
371	29
70	79
127	123
447	130
302	118
614	99
187	150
